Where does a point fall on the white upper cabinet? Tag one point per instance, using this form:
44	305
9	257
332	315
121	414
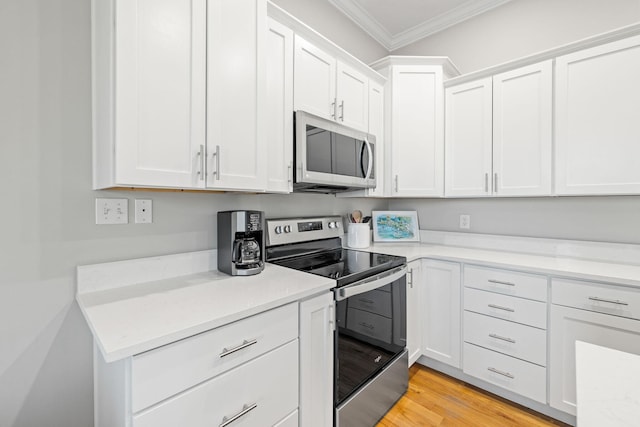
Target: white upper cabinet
236	135
329	88
376	128
499	134
149	76
279	108
597	126
414	134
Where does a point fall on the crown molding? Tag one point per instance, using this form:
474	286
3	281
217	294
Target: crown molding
370	25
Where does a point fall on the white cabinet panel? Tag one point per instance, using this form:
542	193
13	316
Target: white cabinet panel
597	126
352	88
522	132
569	325
514	283
468	139
441	328
279	107
505	307
416	147
314	80
615	300
415	285
236	141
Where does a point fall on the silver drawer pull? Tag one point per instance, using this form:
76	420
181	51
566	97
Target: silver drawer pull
245	344
245	410
499	307
504	374
499	282
611	301
498	337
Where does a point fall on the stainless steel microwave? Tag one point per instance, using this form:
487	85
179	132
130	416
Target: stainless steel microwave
330	157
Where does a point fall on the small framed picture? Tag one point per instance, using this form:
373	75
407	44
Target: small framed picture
395	226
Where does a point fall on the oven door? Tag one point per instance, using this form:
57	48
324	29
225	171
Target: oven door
332	156
371	373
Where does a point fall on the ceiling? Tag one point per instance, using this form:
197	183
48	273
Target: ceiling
397	23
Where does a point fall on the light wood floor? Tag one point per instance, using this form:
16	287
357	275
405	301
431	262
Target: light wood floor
435	399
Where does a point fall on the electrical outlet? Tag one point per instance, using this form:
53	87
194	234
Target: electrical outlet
465	221
112	211
144	211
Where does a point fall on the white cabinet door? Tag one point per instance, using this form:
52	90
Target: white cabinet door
376	128
417	133
414	313
236	137
279	107
352	95
441	330
569	325
158	127
522	132
314	80
597	126
317	321
468	139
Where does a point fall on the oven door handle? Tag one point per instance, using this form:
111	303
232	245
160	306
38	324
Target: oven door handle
371	283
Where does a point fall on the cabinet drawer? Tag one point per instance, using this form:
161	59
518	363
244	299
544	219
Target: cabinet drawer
373	301
527	312
513	339
369	324
521	377
524	285
269	382
599	297
168	370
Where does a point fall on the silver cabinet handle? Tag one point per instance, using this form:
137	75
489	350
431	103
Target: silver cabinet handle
410	273
332	317
495	182
611	301
486	182
245	410
498	337
504	374
245	344
290	172
216	156
333	108
500	282
499	307
201	158
341	110
396	184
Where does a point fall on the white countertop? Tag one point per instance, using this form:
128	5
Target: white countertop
623	274
132	319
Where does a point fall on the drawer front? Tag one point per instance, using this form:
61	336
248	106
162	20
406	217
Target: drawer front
523	285
166	371
598	297
513	339
290	421
270	383
375	301
369	324
512	374
519	310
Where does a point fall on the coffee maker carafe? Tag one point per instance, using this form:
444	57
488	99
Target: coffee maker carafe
241	242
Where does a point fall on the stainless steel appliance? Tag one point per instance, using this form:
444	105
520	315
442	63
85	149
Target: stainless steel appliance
241	242
331	157
371	361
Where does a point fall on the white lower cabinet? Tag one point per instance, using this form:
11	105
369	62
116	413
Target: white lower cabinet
414	313
441	311
591	312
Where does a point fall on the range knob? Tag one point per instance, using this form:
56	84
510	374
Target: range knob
278	229
287	229
333	224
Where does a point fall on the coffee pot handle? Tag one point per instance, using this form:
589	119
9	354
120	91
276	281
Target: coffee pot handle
237	253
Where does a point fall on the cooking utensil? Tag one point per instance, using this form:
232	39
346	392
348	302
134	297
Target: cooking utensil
357	216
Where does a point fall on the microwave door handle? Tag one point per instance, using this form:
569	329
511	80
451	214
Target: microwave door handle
370	284
364	172
370	167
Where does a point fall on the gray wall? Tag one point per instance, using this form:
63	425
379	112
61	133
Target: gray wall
522	27
47	214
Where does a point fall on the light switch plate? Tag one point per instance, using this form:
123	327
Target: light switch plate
144	211
112	211
465	221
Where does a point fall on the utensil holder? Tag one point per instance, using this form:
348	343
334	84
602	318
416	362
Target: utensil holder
358	235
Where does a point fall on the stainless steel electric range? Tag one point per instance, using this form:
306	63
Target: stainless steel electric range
371	362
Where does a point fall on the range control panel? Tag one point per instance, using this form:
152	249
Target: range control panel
295	230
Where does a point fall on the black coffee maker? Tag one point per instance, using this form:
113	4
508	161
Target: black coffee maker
241	242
